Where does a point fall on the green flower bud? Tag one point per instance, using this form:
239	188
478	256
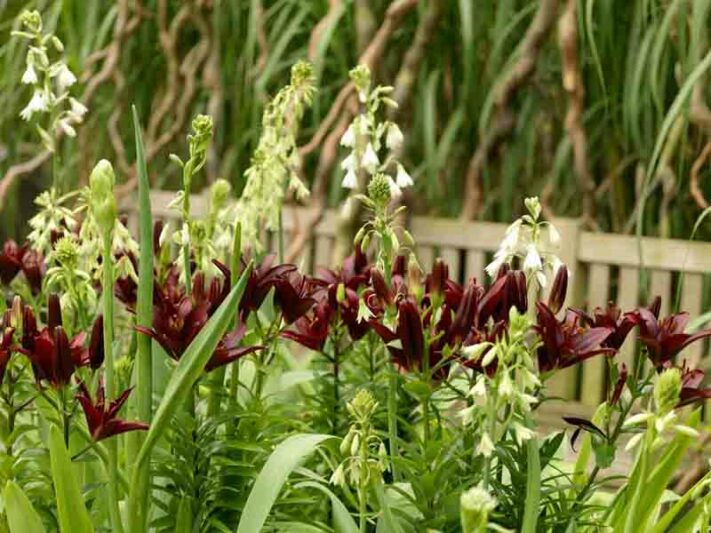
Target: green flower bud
379	190
363	405
534	206
66	252
474	508
219	194
341	293
32	20
667	390
201	135
360	76
103	202
302	74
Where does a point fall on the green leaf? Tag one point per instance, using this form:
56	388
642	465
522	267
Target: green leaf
389	521
342	520
533	487
283	460
21	515
189	369
71	512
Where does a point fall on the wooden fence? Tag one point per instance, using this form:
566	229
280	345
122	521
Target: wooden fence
603	267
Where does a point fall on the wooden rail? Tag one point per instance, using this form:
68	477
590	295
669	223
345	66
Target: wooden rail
603	267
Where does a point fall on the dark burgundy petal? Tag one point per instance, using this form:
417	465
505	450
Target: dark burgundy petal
558	290
54	312
96	344
619	385
410	333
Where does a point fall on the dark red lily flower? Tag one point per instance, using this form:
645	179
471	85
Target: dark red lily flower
261	280
53	356
229	349
33	267
102	419
11	261
293	295
559	290
437	280
691	390
408	331
7	340
312	329
96	344
665	338
610	317
567	342
509	290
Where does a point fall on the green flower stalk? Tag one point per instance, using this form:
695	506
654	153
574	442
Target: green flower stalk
103	209
365	455
198	142
276	163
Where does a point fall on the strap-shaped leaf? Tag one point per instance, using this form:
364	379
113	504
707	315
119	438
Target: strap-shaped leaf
283	460
189	369
21	515
342	520
72	514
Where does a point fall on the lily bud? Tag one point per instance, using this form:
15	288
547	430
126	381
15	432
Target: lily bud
380	286
14	317
54	312
656	306
103	202
440	275
558	290
96	344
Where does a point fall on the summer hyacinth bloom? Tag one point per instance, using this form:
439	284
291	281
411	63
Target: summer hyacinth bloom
39	103
665	338
101	418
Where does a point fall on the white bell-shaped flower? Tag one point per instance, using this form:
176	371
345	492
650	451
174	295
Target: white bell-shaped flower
348	138
350	181
394	137
403	179
30	75
65	78
77	107
37	104
370	160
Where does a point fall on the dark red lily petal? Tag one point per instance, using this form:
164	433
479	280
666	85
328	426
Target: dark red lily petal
619	385
10	261
54	312
559	290
33	268
6	348
585	425
96	344
102	419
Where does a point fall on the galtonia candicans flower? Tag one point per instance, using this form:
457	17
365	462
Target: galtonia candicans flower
610	317
567	342
665	338
103	419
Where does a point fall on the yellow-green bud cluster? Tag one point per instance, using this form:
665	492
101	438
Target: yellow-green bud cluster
360	76
201	135
379	189
667	390
32	20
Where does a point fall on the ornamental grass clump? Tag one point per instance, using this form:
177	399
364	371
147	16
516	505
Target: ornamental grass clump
213	386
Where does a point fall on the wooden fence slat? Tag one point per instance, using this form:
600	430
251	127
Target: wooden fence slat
593	371
474	264
662	254
322	255
425	256
451	258
627	300
661	285
691	301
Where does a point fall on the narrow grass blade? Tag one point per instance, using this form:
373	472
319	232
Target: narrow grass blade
21	515
282	462
71	512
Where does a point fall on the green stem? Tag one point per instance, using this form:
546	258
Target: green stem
533	487
392	419
111	445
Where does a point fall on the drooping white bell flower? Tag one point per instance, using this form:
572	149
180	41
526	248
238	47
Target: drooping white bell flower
65	78
394	137
370	160
67	128
348	138
30	75
350	181
348	164
403	179
532	262
395	190
37	104
77	107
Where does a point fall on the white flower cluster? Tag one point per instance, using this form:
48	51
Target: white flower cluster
365	137
534	242
50	82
